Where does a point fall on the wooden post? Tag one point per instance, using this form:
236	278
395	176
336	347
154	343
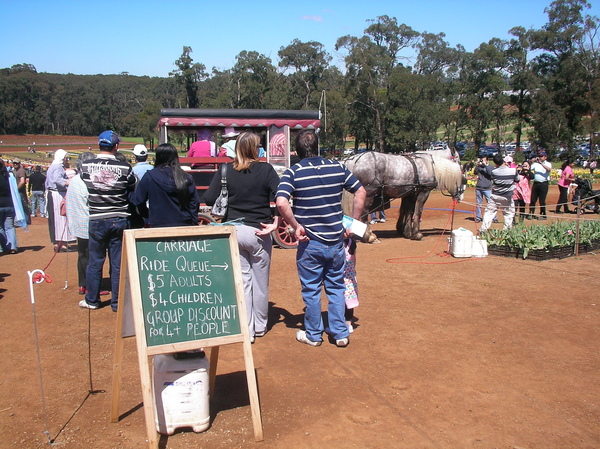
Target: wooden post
578	212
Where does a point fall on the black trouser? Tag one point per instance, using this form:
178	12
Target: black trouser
519	208
539	190
563	199
83	258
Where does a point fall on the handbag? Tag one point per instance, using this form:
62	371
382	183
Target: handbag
219	209
63	207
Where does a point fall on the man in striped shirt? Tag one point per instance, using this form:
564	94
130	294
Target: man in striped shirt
503	184
316	185
109	183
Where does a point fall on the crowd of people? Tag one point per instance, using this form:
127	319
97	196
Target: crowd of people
513	188
93	202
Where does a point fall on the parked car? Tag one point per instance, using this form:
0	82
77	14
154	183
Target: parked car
488	151
510	148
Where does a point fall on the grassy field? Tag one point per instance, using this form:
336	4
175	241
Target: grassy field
20	146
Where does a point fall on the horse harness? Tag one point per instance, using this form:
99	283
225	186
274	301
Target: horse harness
416	179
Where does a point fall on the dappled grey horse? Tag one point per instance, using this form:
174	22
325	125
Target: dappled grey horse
408	176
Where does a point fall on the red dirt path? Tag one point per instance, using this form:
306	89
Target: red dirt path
484	353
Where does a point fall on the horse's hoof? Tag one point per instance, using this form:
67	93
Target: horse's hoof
418	236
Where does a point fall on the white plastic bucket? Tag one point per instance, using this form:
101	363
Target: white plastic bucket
462	243
181	393
479	247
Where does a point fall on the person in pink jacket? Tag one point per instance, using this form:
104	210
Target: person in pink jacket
522	192
566	178
203	147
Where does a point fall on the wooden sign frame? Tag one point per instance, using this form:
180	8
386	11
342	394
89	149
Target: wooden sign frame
131	321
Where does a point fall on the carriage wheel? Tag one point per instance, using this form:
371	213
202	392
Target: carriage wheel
204	219
282	236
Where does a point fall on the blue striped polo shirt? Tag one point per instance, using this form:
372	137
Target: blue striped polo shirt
315	185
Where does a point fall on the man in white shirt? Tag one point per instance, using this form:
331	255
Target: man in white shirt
540	168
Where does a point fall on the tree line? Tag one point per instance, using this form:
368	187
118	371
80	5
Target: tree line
541	85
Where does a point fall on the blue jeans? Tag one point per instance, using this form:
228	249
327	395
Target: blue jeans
320	265
381	215
106	235
479	194
8	236
38	200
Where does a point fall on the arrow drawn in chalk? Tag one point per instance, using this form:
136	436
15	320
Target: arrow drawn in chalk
226	266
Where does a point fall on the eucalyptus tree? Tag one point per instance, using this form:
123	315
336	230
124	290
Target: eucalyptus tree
414	111
307	62
439	66
370	61
252	78
522	82
484	84
569	67
334	113
189	73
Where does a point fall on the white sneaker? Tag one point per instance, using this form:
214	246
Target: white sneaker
84	305
302	338
342	342
373	222
382	220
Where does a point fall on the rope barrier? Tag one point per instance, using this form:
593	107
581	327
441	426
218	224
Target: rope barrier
36	277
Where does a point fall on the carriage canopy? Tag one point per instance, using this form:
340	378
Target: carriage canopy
275	125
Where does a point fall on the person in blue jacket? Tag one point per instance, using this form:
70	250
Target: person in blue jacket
169	190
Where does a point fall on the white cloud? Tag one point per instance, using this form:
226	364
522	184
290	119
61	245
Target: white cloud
313	18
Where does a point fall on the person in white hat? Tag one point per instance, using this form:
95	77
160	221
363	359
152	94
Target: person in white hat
140	152
509	161
230	136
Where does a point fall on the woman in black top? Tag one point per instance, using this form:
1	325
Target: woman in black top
251	186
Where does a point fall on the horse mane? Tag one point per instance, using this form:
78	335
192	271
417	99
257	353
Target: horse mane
448	175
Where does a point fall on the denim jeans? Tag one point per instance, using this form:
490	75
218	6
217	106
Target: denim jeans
322	265
106	235
8	235
38	200
479	194
373	215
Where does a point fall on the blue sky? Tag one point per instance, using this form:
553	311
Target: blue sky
145	37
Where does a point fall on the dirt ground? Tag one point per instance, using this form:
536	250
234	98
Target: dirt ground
447	353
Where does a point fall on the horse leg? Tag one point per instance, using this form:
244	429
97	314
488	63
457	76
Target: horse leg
418	212
404	225
411	209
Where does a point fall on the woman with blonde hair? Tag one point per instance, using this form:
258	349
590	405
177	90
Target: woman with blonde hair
251	186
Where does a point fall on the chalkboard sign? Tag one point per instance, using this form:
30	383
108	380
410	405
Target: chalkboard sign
182	289
187	289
